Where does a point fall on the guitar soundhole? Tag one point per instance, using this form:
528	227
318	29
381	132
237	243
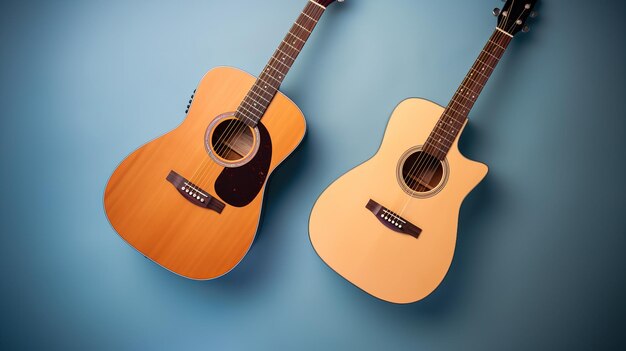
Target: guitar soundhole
422	174
231	143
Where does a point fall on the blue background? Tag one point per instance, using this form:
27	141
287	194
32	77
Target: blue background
540	255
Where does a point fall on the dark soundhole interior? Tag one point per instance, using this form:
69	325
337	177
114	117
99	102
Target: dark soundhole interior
422	172
232	140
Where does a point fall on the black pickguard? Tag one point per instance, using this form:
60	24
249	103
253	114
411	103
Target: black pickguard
239	186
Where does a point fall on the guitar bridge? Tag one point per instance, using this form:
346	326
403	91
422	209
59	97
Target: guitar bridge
392	220
195	194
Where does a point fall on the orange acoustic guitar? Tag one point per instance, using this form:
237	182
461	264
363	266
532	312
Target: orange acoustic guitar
191	199
389	226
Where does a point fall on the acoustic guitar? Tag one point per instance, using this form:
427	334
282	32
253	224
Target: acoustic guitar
191	199
389	225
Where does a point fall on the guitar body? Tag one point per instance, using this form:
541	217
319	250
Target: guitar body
354	242
158	218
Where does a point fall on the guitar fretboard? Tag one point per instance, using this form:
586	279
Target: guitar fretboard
262	93
454	117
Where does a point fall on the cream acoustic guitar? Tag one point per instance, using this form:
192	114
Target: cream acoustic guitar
191	199
389	226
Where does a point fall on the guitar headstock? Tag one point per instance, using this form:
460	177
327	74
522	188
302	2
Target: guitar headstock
325	3
514	16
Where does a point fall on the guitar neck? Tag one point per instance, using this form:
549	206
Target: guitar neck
455	115
268	83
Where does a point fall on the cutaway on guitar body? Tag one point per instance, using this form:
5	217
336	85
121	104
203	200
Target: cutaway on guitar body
373	255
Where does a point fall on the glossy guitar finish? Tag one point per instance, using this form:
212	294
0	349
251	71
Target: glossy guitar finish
191	200
349	238
389	226
150	214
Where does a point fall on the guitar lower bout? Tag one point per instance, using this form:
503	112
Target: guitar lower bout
190	202
386	232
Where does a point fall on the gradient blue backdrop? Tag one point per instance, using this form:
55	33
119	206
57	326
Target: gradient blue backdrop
540	256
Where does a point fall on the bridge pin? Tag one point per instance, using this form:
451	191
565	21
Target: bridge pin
201	200
183	188
400	226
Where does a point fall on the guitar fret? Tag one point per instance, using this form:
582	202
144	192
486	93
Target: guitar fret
297	24
465	87
292	59
243	115
486	64
455	115
441	137
295	36
480	85
313	2
252	113
455	111
313	11
269	75
455	101
453	119
270	65
298	50
313	19
254	103
276	70
265	87
298	33
477	71
436	147
267	84
447	132
257	94
249	104
490	54
451	133
496	44
461	96
275	59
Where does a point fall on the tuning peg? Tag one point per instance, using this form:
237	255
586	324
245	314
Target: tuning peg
534	14
526	29
496	12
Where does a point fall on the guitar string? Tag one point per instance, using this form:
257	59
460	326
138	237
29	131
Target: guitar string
452	102
220	146
430	163
482	85
424	160
450	118
427	166
195	188
497	37
203	172
236	132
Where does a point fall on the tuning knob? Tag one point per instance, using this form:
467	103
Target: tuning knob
496	12
526	29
